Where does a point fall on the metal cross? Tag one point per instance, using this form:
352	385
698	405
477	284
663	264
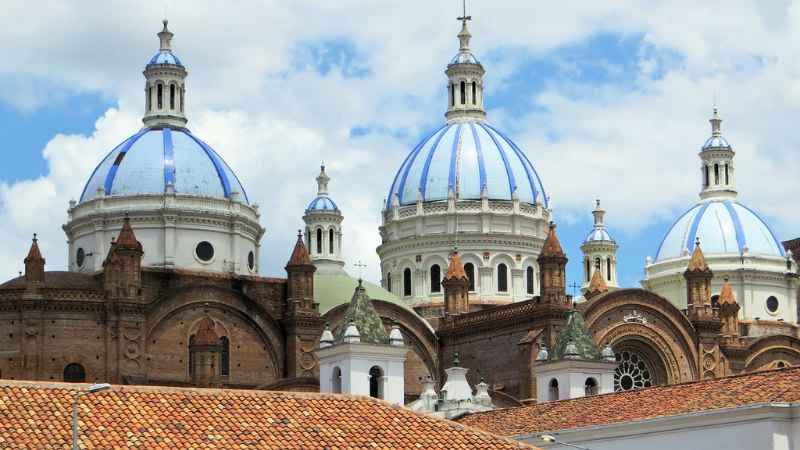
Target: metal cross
574	287
361	267
464	18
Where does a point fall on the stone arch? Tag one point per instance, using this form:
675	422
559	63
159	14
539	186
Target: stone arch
766	351
418	334
427	264
256	337
649	325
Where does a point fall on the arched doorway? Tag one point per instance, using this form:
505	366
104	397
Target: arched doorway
74	373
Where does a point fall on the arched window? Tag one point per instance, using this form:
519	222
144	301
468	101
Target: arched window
336	380
470	270
330	239
608	269
716	174
529	280
172	96
590	387
149	98
191	356
715	301
389	282
436	278
376	382
727	175
319	240
474	96
160	95
225	356
502	278
463	93
553	390
705	176
588	271
452	95
74	373
407	282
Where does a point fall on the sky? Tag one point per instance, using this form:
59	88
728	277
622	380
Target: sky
609	100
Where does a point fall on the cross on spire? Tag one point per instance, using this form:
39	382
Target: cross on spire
464	17
574	286
361	267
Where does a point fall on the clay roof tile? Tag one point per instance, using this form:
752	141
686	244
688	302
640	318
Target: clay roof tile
552	247
300	255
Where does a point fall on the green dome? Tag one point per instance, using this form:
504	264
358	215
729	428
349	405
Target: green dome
334	289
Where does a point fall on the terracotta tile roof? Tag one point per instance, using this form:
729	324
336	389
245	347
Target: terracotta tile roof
455	269
760	387
597	285
37	416
34	254
698	261
126	238
551	246
300	253
726	295
59	280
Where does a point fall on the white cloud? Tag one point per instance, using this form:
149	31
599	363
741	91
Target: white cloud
634	145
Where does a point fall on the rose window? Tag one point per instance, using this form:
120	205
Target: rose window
633	372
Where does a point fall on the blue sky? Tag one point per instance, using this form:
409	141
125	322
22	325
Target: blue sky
607	101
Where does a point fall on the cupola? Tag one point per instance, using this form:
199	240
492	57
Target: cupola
465	80
165	88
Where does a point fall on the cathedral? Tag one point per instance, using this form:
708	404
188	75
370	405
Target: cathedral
163	284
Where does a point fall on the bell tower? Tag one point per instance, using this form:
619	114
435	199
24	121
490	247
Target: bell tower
716	170
465	80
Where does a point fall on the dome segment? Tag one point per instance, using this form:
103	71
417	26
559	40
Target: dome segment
716	140
599	232
154	161
322	202
724	227
164	54
468	158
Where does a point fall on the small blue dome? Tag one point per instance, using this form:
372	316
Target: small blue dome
724	227
322	203
598	234
153	158
464	58
165	57
716	142
466	157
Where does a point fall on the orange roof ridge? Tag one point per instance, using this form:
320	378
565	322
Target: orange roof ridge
455	269
127	238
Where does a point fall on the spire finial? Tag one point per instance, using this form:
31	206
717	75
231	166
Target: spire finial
716	122
463	35
165	37
322	180
35	239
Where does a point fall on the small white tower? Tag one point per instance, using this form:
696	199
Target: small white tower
465	80
599	252
716	170
363	359
575	367
324	228
164	86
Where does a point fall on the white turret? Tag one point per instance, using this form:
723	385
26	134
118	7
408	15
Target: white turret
324	228
165	86
716	170
599	251
465	80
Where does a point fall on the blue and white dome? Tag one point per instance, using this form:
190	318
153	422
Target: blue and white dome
598	234
466	157
716	142
724	227
322	203
165	57
153	158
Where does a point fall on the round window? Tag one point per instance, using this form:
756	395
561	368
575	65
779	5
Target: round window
251	260
772	304
205	251
80	257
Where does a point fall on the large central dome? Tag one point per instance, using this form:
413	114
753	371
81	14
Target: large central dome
154	158
466	157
